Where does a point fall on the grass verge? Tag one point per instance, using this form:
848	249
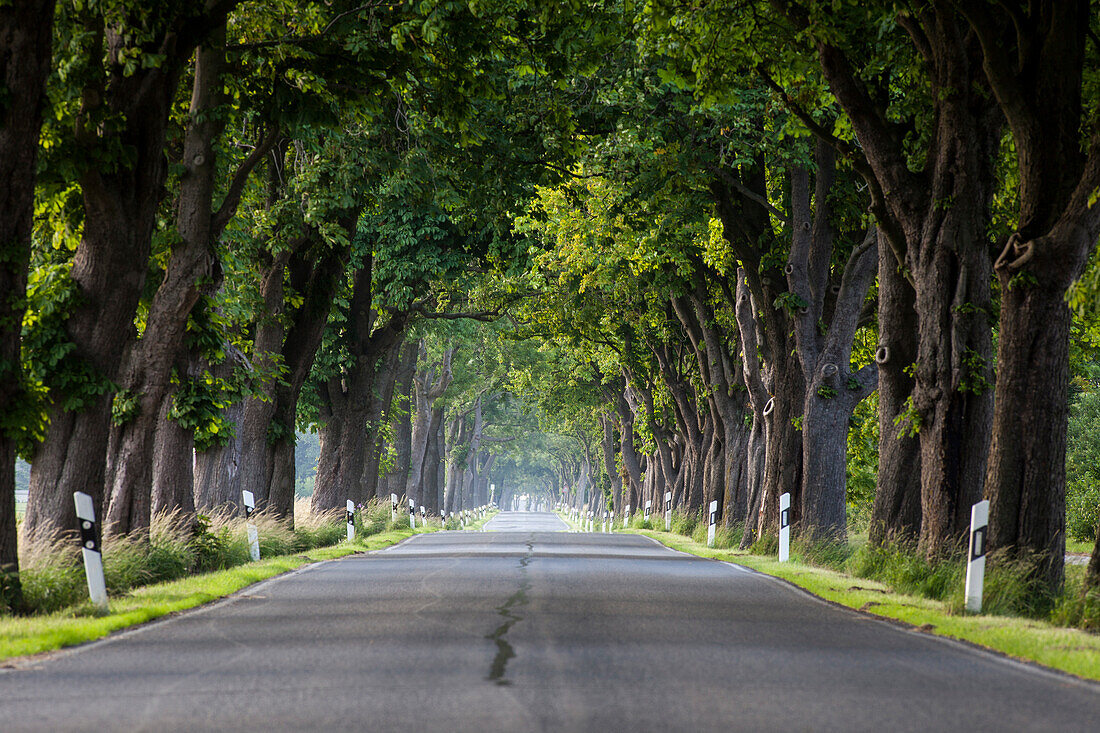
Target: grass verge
1066	649
24	635
573	526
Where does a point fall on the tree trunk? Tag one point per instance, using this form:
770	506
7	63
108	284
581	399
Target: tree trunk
783	442
755	475
147	371
25	37
397	478
429	386
1092	572
895	515
356	400
456	447
217	469
121	202
173	467
607	445
255	461
1027	469
759	402
1057	226
824	326
381	400
937	219
267	458
436	453
632	465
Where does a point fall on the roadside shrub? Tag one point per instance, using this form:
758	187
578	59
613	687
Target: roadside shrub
1013	586
824	552
1083	468
765	544
1074	607
699	534
52	572
728	537
907	571
684	522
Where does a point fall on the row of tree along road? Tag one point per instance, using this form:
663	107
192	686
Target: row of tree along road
594	253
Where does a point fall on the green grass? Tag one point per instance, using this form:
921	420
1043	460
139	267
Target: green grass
23	635
1067	649
1078	547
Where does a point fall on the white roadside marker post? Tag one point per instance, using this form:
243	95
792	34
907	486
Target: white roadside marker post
253	535
605	516
784	527
351	520
712	523
626	516
423	516
412	514
89	547
648	507
393	508
668	511
975	566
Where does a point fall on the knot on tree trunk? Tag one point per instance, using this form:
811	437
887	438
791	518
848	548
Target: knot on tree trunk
1015	254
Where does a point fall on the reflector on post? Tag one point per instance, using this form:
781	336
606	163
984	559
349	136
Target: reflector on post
975	559
89	548
784	527
711	523
253	535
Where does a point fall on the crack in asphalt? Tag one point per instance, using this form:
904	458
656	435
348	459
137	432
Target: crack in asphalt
507	611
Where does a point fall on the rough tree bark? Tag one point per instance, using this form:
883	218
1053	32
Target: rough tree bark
216	473
396	480
747	226
632	464
25	37
110	264
759	402
173	480
147	369
267	427
607	447
895	514
456	447
936	218
433	469
1034	59
382	399
355	402
834	301
429	386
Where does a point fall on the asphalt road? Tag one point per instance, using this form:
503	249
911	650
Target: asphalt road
527	629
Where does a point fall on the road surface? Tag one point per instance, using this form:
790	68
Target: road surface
530	629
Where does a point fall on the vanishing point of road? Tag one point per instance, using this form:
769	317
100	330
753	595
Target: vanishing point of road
526	627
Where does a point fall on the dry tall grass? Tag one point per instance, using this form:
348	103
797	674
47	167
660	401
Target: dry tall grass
52	573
